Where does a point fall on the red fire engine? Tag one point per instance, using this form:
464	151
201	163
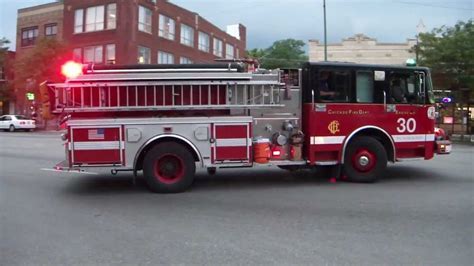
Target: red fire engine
168	120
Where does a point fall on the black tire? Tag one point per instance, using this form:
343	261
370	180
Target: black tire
169	168
11	128
365	160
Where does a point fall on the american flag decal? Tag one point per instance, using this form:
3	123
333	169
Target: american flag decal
96	134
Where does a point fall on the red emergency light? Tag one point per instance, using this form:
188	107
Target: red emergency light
71	69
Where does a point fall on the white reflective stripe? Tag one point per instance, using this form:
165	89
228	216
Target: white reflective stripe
97	145
430	137
232	142
311	139
327	140
413	138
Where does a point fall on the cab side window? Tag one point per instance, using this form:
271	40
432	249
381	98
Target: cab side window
333	86
404	88
365	86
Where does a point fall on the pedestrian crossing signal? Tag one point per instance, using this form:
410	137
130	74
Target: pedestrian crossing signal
30	96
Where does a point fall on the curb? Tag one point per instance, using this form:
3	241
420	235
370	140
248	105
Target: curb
457	138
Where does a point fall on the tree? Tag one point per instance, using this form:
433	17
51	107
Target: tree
3	50
449	51
287	53
43	62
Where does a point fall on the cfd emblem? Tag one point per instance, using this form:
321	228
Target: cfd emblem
333	127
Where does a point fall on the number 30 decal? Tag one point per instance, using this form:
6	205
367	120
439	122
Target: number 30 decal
406	125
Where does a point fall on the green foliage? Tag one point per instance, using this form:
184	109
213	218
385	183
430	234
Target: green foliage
43	62
3	50
449	51
287	53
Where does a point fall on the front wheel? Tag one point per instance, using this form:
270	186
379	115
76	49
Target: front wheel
365	160
11	128
169	168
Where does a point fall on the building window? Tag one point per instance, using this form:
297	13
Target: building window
229	51
167	27
144	19
185	60
94	18
110	54
93	54
79	21
51	29
77	55
187	35
28	36
218	47
143	55
237	55
111	16
165	58
204	42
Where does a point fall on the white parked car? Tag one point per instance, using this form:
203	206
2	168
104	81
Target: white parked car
16	122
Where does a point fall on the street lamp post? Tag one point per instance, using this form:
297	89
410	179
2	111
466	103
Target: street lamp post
325	33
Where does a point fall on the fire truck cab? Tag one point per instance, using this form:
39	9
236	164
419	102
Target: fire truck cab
168	120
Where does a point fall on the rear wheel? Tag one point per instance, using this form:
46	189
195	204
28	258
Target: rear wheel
169	168
365	160
11	128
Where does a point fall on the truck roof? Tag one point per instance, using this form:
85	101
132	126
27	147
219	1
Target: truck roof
352	65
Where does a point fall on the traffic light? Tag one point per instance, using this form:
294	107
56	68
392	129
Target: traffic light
30	96
45	100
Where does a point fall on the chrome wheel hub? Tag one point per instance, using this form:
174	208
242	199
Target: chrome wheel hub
364	160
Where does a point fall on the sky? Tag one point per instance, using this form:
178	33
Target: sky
271	20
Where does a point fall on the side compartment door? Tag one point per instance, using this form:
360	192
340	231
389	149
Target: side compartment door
231	143
97	146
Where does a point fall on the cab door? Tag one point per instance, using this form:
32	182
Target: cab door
410	117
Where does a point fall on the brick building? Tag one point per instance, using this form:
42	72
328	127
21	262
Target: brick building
145	31
34	23
129	32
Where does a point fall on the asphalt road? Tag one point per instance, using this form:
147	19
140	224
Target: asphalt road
420	213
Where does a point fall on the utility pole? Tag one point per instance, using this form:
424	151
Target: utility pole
325	33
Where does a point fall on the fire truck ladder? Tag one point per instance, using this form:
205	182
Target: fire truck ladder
167	89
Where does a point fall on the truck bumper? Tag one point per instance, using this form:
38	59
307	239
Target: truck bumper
443	147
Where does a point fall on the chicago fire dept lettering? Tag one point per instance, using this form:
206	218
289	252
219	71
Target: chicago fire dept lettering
333	127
